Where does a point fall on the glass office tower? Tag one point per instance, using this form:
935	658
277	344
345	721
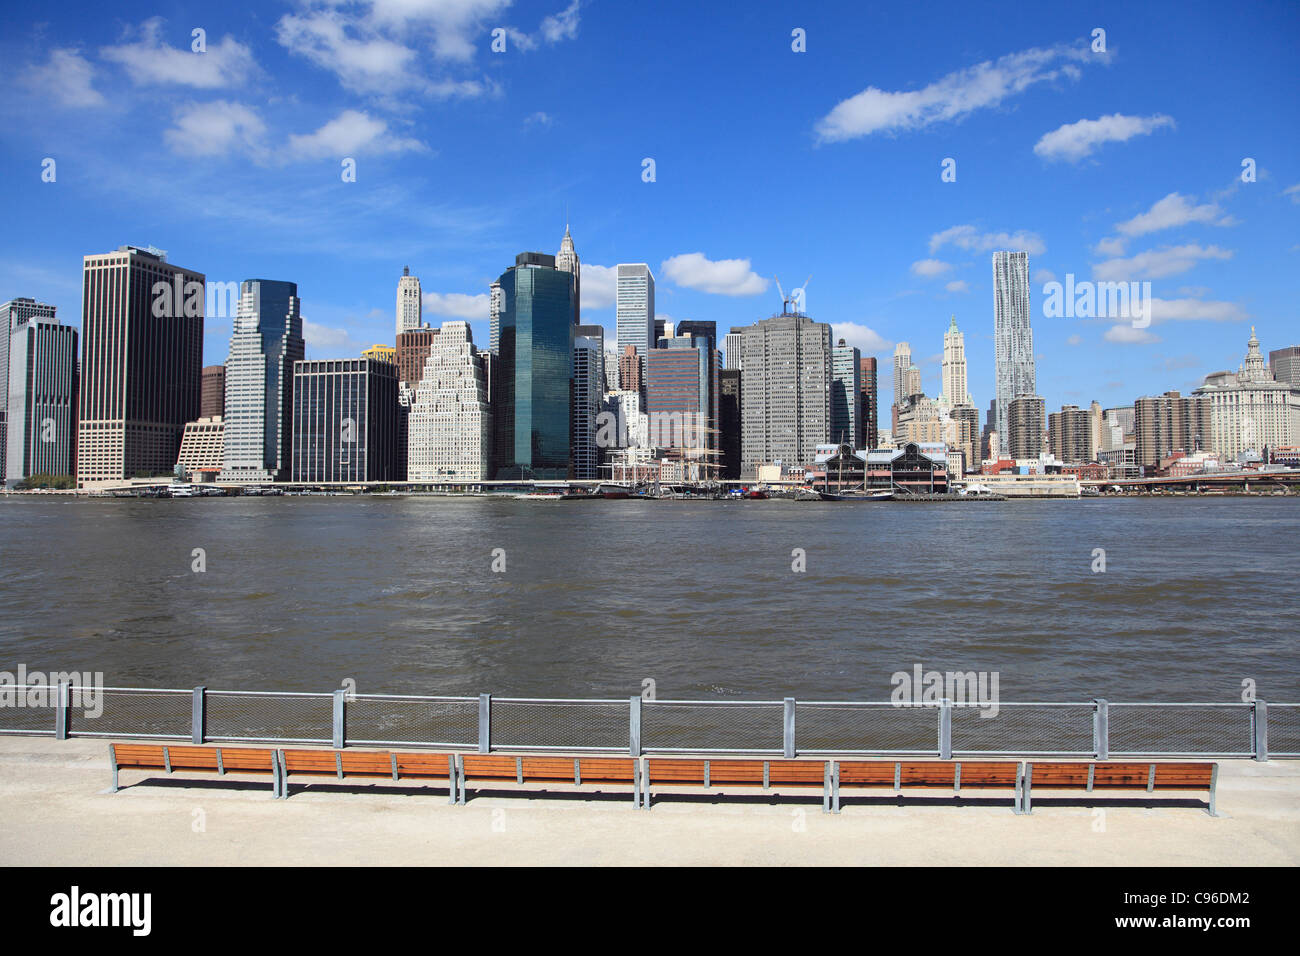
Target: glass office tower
534	385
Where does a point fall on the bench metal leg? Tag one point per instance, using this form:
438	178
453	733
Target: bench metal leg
452	764
112	761
835	787
826	787
636	784
1027	800
460	781
1214	786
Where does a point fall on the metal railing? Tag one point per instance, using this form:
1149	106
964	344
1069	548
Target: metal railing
1097	729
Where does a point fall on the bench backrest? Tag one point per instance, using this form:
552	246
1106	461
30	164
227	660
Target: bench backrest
1122	776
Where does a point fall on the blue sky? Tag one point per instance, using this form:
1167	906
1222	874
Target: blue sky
768	162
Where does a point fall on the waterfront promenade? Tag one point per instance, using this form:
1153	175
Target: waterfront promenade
57	811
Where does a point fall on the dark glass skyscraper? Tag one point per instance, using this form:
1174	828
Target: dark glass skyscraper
533	381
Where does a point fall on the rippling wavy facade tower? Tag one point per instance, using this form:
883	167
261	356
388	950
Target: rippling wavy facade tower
1013	339
450	430
266	343
141	363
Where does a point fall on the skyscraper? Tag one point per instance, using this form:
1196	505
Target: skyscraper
1013	338
412	351
634	314
1071	433
954	367
1285	365
785	385
846	395
1249	410
729	423
450	425
494	318
344	421
566	260
731	349
697	329
1025	423
41	399
902	362
588	400
13	315
870	402
214	392
630	378
264	346
532	387
681	400
141	363
410	305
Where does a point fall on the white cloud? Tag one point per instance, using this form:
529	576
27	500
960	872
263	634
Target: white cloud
1110	246
1074	340
150	61
860	336
930	268
540	118
722	277
365	63
1127	335
350	133
1157	263
1074	141
1293	192
972	240
1044	275
951	97
67	77
215	129
599	285
457	304
324	337
562	25
960	285
452	27
1174	210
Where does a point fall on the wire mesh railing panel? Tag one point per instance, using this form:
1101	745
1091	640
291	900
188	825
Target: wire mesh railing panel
1023	729
559	724
294	718
128	712
865	728
1284	730
1195	729
712	726
27	709
440	721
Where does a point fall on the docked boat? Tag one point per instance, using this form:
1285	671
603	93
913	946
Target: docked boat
540	496
855	495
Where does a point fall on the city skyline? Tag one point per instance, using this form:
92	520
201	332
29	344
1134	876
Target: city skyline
1107	165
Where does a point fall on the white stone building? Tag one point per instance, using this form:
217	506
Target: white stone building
450	425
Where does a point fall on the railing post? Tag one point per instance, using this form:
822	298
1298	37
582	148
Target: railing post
634	726
945	729
199	715
340	718
61	711
1101	728
1259	718
787	734
484	723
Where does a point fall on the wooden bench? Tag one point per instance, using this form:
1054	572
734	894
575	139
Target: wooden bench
520	769
1131	777
192	759
385	764
677	771
899	775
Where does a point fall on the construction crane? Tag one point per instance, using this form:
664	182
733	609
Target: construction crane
796	296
